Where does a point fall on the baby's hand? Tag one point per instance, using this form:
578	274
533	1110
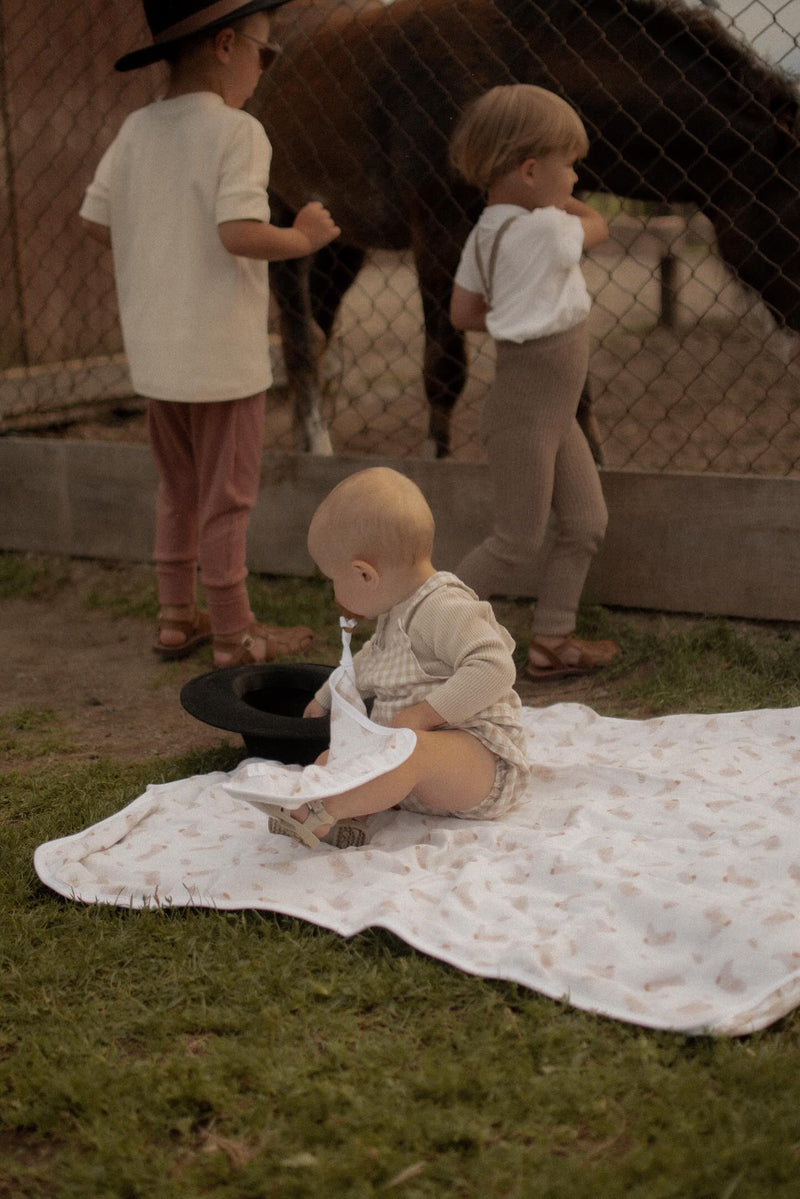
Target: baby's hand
316	223
420	717
314	709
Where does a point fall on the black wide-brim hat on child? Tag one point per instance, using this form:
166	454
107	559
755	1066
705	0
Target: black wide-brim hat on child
171	21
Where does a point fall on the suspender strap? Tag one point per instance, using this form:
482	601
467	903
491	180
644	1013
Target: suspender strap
487	275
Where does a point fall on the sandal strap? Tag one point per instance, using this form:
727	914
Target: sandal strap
195	631
318	814
187	627
590	653
594	653
304	831
290	640
550	654
283	639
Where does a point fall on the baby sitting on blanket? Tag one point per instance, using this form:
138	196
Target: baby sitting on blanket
438	663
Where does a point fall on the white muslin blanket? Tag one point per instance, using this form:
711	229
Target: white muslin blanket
651	872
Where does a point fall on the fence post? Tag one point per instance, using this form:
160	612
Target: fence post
667	281
13	350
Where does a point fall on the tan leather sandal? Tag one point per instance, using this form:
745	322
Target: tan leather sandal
592	655
196	632
244	650
349	833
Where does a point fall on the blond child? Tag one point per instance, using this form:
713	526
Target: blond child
438	663
181	197
520	278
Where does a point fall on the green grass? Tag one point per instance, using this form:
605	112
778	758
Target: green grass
31	576
179	1054
32	733
680	663
117	595
703	665
188	1053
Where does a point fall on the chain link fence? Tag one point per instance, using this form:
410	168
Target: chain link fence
689	371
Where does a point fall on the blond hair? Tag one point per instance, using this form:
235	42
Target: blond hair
508	124
377	515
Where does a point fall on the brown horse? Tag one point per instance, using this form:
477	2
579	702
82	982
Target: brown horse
361	105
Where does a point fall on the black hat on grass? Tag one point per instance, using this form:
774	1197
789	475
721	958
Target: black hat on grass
265	704
171	21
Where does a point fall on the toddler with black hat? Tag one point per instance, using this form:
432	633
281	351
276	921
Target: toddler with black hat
181	198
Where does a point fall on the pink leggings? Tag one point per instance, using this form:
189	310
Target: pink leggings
209	462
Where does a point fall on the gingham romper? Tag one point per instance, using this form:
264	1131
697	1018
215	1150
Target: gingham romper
388	669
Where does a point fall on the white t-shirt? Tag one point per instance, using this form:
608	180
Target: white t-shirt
537	287
194	317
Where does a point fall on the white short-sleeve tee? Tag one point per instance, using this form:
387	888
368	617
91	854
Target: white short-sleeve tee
537	287
194	317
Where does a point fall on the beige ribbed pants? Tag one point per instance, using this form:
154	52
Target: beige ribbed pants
540	466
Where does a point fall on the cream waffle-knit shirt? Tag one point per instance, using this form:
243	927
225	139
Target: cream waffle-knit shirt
444	645
194	316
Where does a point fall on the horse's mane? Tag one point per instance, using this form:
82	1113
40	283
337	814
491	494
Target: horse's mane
668	23
770	84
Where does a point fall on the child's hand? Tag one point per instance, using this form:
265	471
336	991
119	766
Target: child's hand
468	310
314	709
316	223
420	717
595	229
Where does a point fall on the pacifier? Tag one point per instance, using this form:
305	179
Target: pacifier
347	614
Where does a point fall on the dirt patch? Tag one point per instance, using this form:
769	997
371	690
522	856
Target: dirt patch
109	695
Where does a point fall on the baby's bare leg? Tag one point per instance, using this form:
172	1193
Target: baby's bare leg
448	769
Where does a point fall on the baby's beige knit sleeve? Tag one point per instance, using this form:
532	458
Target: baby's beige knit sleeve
450	629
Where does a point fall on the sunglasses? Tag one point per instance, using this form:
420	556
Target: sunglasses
267	51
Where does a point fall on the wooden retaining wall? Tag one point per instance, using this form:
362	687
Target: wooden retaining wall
717	544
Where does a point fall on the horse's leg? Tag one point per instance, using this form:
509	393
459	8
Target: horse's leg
333	269
588	423
445	373
445	364
446	370
289	280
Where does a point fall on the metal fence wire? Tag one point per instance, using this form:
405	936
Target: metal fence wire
695	294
